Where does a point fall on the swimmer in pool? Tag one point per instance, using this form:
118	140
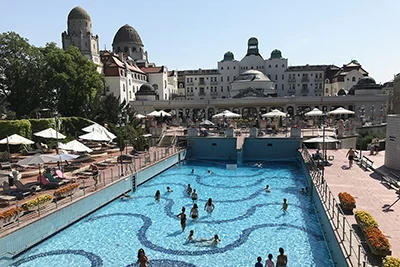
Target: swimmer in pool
284	205
189	190
209	207
194	195
194	212
209	241
169	190
267	190
190	238
182	216
157	196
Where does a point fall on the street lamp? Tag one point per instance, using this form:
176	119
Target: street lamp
372	113
383	112
57	126
361	114
120	124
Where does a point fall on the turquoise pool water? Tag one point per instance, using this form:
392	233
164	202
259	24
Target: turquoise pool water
249	222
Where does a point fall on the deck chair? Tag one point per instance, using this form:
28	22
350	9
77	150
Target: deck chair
52	179
16	193
62	176
31	187
44	182
5	165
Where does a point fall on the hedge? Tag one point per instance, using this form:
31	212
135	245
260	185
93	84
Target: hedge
10	127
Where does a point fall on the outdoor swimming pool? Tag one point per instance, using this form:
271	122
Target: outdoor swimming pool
249	222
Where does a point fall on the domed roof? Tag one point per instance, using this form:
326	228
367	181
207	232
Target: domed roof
78	13
127	34
228	56
365	82
146	89
253	75
276	53
252	41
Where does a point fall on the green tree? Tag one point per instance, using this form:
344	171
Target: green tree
21	84
105	109
72	81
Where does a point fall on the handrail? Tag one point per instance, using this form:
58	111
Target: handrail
162	135
334	212
2	256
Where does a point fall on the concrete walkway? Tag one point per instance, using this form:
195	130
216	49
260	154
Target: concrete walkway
370	194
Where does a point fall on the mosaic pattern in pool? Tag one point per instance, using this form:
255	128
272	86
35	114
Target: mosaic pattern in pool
249	222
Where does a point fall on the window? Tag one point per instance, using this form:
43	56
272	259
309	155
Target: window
276	77
320	86
125	49
222	88
326	90
312	74
227	67
251	67
283	76
316	86
283	65
123	88
191	80
227	78
187	80
348	79
269	76
222	68
94	46
353	79
207	78
129	81
222	79
130	95
85	44
195	79
133	49
298	75
234	67
276	65
290	76
269	66
283	87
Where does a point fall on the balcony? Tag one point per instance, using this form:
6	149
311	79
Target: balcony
189	83
213	93
214	83
292	91
202	82
293	80
305	79
202	93
318	79
189	94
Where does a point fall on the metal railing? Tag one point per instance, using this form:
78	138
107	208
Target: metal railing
348	240
86	186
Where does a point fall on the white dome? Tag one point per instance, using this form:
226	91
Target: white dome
253	75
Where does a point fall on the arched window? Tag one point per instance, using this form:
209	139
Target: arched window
133	49
353	79
123	88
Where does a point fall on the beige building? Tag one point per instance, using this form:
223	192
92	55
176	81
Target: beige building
396	94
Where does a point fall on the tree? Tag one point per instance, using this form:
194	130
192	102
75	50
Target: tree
21	82
72	80
105	109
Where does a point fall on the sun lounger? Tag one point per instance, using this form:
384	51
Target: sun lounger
31	187
47	184
16	193
8	199
5	165
52	179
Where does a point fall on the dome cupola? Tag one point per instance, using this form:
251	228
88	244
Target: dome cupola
228	56
127	34
276	54
78	13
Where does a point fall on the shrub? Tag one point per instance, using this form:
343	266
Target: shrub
391	262
365	219
10	212
376	239
37	201
346	199
65	189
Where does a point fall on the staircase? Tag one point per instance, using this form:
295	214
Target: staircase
167	141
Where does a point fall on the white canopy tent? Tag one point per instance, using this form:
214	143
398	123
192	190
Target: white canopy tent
227	114
274	113
76	146
50	133
341	111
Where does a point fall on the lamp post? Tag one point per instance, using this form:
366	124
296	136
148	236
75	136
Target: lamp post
57	129
383	112
372	113
361	114
120	124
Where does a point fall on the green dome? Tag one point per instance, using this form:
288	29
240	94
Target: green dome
78	13
276	54
127	34
228	56
252	41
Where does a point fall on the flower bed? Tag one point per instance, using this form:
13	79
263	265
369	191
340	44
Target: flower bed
391	262
9	215
66	190
377	242
364	219
347	201
41	201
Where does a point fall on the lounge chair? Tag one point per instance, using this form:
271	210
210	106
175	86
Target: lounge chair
5	165
44	182
30	187
52	179
16	193
63	177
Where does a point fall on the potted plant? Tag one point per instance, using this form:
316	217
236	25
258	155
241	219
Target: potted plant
347	201
9	215
377	241
39	202
391	262
66	190
364	219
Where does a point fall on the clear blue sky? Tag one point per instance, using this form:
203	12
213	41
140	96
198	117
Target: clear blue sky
192	34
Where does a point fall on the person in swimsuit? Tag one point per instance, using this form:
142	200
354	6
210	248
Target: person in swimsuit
169	190
209	207
284	205
194	212
182	216
192	170
350	155
190	238
269	262
267	190
211	241
157	196
189	190
194	195
281	260
142	258
95	173
258	263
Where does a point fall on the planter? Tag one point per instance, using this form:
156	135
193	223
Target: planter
9	220
348	208
66	190
378	252
65	194
41	205
39	202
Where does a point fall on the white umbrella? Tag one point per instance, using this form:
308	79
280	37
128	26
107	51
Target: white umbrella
50	133
164	113
341	111
76	146
16	139
98	128
227	114
95	136
34	160
320	139
61	157
140	116
207	123
274	113
154	114
314	112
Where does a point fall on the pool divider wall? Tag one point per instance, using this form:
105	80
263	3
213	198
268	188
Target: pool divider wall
270	148
51	223
219	148
330	237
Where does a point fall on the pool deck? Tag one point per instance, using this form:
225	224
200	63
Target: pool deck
370	194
